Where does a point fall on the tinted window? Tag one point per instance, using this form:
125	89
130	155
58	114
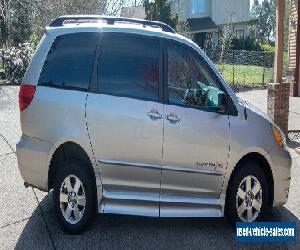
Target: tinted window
190	80
129	66
70	61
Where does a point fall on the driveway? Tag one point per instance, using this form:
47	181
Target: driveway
27	218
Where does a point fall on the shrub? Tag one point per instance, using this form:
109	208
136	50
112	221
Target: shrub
266	47
247	43
15	62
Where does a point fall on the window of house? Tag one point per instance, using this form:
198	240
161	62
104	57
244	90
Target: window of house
129	66
240	34
198	6
190	80
69	62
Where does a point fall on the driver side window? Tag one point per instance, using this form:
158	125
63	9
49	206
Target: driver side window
190	81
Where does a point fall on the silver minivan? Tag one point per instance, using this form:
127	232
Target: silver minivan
125	116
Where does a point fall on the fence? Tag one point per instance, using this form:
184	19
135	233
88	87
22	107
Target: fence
244	67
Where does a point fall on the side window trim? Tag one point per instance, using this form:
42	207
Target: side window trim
161	72
160	77
94	78
230	108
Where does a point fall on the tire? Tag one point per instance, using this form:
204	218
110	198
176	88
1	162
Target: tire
74	196
255	201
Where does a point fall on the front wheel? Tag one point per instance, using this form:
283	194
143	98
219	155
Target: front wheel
74	197
247	196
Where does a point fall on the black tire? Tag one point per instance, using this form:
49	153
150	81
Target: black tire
87	178
246	169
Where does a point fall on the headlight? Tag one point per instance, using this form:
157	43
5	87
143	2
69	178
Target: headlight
278	135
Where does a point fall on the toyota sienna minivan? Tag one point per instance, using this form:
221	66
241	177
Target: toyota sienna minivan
126	116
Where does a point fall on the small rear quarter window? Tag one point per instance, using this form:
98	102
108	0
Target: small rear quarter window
69	62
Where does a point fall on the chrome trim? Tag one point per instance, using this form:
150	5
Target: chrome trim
191	170
119	163
165	198
115	195
164	167
131	207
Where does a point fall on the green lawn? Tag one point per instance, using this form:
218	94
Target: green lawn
245	73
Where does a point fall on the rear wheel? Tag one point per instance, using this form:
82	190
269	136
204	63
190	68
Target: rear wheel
247	196
74	197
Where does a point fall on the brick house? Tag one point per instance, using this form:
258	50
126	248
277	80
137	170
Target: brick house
293	72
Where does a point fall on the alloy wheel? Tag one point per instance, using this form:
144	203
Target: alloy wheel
249	199
72	199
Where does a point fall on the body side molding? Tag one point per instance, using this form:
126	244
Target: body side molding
163	167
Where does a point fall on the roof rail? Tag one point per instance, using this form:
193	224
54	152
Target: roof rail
110	20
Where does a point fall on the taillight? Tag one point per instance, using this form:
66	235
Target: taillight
26	95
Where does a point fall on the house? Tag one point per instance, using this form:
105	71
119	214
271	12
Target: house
205	18
293	72
133	12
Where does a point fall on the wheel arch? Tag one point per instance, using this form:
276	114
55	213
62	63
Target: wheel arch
265	166
64	152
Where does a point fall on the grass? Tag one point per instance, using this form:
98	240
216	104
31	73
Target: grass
245	73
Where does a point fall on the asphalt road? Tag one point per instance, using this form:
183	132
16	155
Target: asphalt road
27	219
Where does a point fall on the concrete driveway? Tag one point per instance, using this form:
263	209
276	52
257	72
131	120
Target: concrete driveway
27	218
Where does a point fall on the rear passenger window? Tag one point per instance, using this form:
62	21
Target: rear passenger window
69	62
129	66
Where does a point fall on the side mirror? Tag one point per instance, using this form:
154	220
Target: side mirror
221	102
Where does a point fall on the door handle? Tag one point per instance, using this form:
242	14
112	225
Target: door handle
154	114
172	117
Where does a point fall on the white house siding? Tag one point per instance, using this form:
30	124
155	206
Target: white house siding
221	11
226	11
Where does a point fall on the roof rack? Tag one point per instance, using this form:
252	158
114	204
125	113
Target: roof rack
110	20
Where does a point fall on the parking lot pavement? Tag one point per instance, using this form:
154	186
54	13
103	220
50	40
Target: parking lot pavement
27	218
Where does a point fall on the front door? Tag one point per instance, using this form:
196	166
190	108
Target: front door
196	136
125	123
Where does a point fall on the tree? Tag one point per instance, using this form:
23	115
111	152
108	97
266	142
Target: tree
47	10
267	20
286	23
266	24
160	10
286	19
182	29
21	21
5	20
15	21
255	9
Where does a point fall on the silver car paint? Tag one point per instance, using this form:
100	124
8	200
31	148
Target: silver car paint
55	116
132	173
201	137
130	137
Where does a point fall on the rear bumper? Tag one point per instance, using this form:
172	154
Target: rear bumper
32	155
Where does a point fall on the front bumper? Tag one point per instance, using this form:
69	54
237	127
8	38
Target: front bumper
32	155
281	169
